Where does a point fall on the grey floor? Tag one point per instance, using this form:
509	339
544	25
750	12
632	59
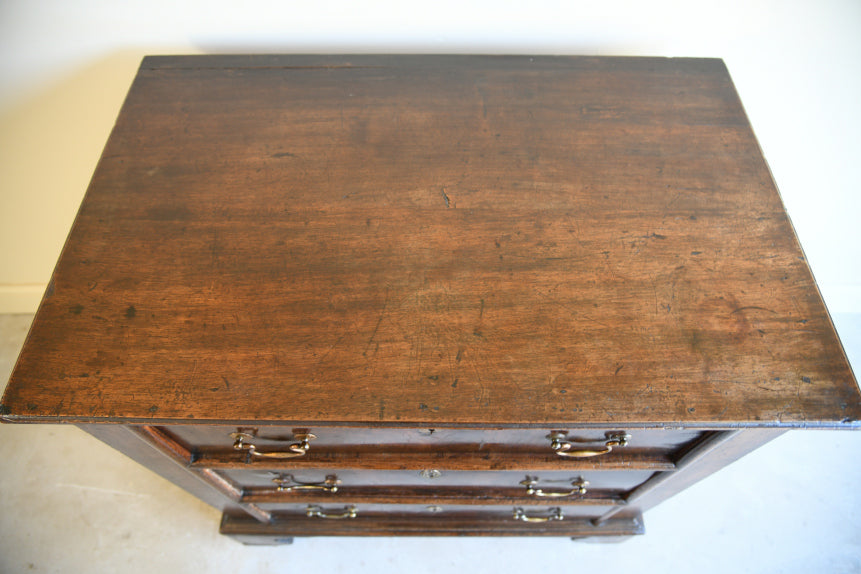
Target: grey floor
70	504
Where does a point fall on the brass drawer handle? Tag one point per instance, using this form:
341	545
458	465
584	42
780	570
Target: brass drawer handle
555	514
314	511
578	483
241	442
563	446
286	483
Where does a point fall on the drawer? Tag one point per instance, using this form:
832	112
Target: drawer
215	437
433	486
347	479
419	448
283	526
521	513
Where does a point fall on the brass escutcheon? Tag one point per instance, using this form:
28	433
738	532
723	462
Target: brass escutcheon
430	473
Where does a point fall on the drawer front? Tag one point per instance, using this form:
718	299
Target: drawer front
446	522
217	436
521	513
226	444
562	488
550	481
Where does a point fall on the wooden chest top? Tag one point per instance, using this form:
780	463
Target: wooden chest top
436	240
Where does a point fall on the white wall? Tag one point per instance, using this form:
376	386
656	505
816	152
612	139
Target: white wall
65	67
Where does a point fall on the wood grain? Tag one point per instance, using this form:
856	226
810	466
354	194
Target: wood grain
428	495
417	459
251	478
239	526
433	240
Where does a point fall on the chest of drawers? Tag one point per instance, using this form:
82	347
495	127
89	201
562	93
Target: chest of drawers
432	295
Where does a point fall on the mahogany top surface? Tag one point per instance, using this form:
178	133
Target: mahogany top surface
436	240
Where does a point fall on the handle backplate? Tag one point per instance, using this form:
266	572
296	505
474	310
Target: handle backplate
579	488
287	483
553	514
242	441
564	446
314	511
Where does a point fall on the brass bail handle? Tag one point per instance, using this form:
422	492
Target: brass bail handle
554	514
286	483
242	441
314	511
564	446
578	483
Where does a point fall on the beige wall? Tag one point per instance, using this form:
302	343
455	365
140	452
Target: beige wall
65	67
49	144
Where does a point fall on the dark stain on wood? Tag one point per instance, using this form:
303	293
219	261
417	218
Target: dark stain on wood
506	224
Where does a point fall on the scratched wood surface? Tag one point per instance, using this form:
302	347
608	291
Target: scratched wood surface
433	240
